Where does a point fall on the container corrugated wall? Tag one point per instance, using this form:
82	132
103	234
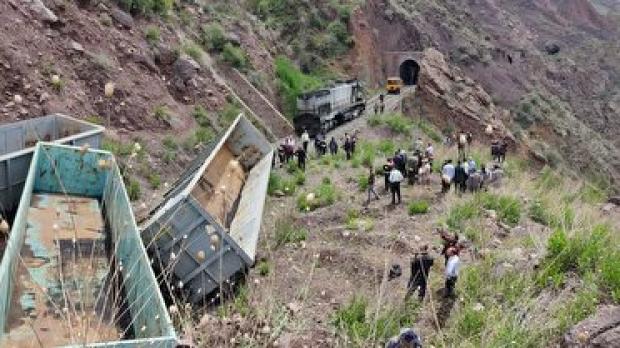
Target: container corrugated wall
17	142
82	174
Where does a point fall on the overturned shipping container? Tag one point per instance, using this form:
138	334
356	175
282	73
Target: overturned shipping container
75	272
17	141
205	232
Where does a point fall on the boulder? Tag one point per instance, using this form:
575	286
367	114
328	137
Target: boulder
600	330
165	55
121	17
185	69
552	48
233	38
44	13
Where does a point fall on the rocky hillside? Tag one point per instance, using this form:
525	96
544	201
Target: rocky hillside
552	64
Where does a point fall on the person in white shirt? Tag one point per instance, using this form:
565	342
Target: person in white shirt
396	177
452	271
305	139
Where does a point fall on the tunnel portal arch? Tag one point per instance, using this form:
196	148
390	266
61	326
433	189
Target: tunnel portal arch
409	71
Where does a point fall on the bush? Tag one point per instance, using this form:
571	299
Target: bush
300	177
418	207
169	143
287	232
117	148
133	189
228	114
387	147
539	213
263	268
461	213
277	183
160	7
291	83
204	135
152	35
234	56
192	50
162	113
213	37
201	116
398	123
154	180
508	208
323	195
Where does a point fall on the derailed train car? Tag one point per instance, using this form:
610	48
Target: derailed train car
324	109
204	234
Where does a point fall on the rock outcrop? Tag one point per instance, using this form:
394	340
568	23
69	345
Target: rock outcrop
456	101
600	330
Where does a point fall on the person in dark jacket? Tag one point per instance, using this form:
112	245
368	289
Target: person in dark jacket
420	267
301	158
371	185
460	177
333	147
347	145
387	168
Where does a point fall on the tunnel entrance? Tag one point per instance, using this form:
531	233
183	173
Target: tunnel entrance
409	70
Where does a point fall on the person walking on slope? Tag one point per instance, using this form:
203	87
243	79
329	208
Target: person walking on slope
420	266
333	147
460	178
452	271
447	175
305	139
347	145
396	177
371	185
301	158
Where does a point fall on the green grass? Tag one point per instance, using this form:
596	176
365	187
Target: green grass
374	120
152	35
461	213
117	148
362	182
323	195
283	185
161	113
288	232
291	83
192	50
169	143
356	321
398	123
204	135
508	208
133	189
418	207
228	114
263	268
160	7
213	37
154	180
430	131
235	56
201	116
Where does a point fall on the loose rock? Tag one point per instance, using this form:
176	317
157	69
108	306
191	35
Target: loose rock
122	17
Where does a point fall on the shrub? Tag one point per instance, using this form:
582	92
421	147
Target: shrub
291	83
508	208
461	213
287	232
154	180
201	116
169	143
263	268
228	114
277	183
192	50
418	207
213	37
387	147
398	123
323	195
152	35
204	135
162	113
133	189
147	6
539	212
300	177
117	148
234	56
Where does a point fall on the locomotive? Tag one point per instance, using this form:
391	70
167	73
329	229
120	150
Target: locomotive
324	109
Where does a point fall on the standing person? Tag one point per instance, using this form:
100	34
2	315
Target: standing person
371	185
470	140
376	108
462	141
301	158
353	142
347	145
305	139
447	175
396	177
333	147
471	165
418	145
448	241
323	144
420	267
387	168
460	177
430	152
452	271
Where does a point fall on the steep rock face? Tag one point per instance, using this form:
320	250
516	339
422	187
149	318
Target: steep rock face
600	330
456	101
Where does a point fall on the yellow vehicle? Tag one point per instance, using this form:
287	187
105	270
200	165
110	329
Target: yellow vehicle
394	85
